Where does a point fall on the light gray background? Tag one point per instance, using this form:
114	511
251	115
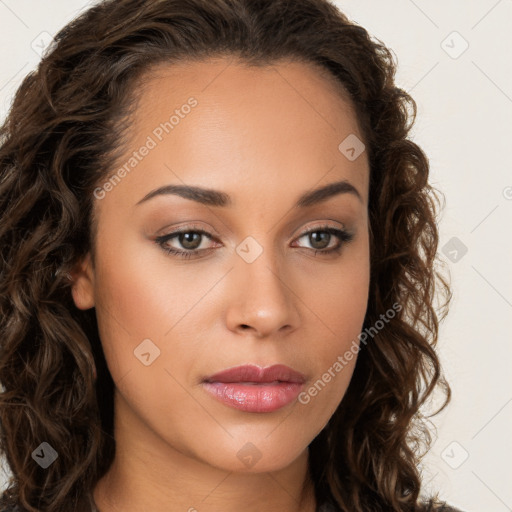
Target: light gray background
464	124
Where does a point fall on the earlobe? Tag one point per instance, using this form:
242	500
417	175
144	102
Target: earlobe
82	287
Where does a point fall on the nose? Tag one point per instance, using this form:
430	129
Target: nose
261	300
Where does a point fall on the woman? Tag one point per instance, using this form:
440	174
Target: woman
218	266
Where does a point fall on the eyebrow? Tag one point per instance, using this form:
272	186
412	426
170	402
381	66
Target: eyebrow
217	198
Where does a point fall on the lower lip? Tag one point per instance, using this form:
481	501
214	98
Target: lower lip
264	397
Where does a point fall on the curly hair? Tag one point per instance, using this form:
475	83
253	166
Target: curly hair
60	139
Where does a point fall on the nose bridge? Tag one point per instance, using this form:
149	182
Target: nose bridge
263	299
259	259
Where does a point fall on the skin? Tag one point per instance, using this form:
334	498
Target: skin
264	136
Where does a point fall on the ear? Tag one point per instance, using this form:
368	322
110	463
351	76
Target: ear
82	288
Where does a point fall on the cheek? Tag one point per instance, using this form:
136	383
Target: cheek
141	290
334	355
146	337
338	296
339	304
140	297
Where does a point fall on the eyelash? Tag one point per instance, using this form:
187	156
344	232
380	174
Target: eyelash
343	236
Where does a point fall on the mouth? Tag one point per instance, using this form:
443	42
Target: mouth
250	388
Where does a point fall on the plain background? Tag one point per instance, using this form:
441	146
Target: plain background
454	59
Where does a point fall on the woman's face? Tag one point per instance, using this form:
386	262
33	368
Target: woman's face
253	291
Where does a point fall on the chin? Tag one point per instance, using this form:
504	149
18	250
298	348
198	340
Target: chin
256	454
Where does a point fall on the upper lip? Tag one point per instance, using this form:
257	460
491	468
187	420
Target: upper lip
254	373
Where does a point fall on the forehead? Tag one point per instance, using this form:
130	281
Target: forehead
294	89
279	124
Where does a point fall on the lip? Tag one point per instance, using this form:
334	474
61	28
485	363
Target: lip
254	373
251	388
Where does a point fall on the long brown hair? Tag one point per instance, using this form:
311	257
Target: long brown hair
60	140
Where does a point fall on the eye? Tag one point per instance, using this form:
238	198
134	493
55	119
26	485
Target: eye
321	237
191	240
